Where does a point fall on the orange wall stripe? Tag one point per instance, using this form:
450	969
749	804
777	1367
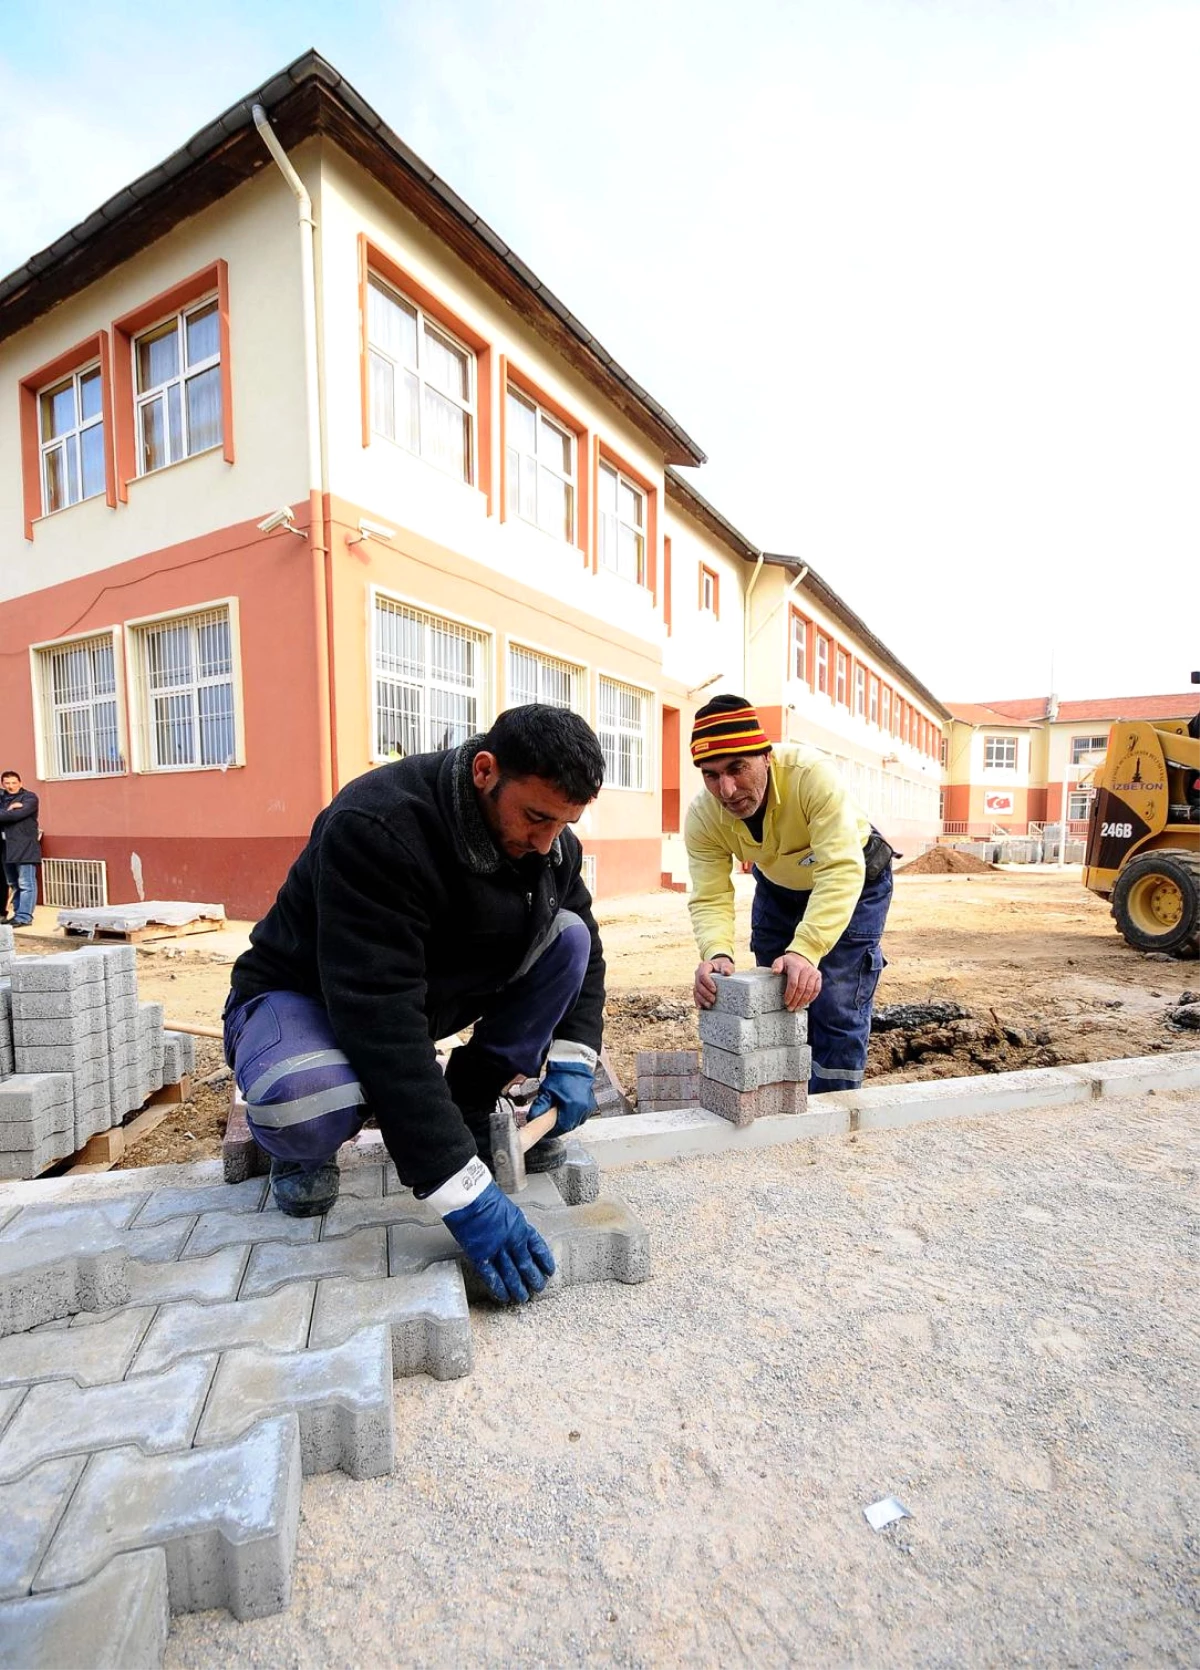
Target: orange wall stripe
667	583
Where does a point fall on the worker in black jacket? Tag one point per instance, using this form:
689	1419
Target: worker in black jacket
435	892
21	843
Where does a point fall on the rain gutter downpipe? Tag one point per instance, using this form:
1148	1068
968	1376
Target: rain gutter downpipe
746	622
321	568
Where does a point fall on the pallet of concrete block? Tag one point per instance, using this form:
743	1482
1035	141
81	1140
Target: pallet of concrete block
146	920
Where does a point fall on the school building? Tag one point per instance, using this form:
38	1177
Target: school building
302	468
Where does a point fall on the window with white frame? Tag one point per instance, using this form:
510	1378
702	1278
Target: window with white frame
184	683
885	708
622	525
799	648
71	430
77	690
843	674
1082	746
1000	753
542	678
822	664
860	691
1079	805
430	681
422	383
539	467
873	711
178	375
708	590
623	726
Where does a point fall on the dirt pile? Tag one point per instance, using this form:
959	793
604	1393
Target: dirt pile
947	861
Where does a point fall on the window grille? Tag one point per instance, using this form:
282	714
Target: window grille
622	729
589	872
430	681
541	678
184	677
75	883
1083	746
77	687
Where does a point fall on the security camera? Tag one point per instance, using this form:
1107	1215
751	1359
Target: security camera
279	519
375	530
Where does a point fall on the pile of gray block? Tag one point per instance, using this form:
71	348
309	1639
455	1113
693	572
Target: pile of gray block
753	1062
78	1052
176	1356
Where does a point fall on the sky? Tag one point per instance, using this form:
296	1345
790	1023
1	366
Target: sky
921	277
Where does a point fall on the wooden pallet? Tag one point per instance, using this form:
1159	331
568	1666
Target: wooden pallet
102	1151
152	930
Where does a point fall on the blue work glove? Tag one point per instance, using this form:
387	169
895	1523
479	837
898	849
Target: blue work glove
571	1087
501	1243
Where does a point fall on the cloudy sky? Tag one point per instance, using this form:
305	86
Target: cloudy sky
922	277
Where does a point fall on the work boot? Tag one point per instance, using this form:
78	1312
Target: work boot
304	1191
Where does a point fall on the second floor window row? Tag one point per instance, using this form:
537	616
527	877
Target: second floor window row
178	381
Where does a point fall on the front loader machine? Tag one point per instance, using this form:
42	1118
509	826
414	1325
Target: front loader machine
1143	845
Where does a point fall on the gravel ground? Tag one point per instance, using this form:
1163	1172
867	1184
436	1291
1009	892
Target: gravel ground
996	1321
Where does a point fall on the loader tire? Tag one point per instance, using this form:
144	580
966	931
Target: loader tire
1156	902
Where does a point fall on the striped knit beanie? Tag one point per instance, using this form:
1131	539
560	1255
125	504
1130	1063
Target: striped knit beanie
734	731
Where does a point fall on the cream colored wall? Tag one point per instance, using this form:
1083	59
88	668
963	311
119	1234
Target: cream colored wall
1059	765
700	644
254	231
406	492
996	776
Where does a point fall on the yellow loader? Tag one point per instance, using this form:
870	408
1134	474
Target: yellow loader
1143	843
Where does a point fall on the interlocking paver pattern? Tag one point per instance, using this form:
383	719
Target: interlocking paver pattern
155	1449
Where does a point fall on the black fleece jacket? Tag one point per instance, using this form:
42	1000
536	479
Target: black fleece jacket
403	918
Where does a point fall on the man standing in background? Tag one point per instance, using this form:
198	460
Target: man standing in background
22	847
822	881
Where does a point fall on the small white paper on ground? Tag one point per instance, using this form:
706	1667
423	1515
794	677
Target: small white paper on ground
885	1512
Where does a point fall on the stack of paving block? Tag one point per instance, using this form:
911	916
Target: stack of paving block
175	1358
755	1061
667	1079
77	1052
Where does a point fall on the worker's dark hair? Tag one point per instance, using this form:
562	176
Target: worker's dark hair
11	773
548	742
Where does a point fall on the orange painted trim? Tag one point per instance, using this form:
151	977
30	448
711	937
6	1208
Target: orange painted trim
74	359
379	261
524	383
667	599
364	358
712	574
607	455
131	325
503	426
595	473
771	720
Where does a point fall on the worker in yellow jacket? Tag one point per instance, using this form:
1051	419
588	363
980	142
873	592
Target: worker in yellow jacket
823	881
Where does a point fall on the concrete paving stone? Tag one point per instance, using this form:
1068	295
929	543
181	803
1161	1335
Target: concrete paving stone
157	1412
279	1323
348	1215
62	971
127	1599
40	1282
77	1059
426	1312
754	992
578	1181
241	1157
275	1263
743	1107
226	1518
362	1183
78	1028
16	1134
159	1244
671	1063
228	1229
183	1046
671	1090
600	1241
342	1397
90	1356
413	1247
27	1163
210	1281
190	1202
25	1095
9	1403
29	1513
49	1006
749	1072
778	1030
70	1221
117	960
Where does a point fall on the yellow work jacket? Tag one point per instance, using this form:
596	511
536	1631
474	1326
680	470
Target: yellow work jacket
813	839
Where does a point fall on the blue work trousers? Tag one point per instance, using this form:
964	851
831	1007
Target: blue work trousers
303	1098
839	1018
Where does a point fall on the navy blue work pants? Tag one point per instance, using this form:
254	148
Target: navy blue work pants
839	1018
302	1095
